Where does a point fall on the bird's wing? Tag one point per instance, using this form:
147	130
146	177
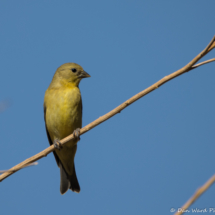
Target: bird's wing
49	138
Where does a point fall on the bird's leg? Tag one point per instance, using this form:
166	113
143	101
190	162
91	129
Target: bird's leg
76	133
58	144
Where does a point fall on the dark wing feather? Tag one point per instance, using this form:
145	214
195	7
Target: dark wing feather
49	138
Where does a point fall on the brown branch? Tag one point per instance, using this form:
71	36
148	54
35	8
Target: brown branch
196	195
118	109
202	63
31	164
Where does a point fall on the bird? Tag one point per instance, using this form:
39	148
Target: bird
63	116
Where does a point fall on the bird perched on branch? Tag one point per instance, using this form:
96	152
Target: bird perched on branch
63	116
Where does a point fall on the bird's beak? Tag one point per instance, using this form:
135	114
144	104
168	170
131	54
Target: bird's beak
84	74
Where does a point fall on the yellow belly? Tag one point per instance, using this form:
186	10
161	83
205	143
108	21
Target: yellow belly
63	116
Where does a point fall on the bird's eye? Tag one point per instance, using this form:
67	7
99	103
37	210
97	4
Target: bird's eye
74	70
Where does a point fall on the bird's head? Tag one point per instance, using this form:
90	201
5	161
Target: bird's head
70	73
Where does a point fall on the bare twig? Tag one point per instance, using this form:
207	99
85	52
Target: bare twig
196	195
31	164
202	63
118	109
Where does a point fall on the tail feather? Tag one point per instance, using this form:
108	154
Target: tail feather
68	181
64	183
74	185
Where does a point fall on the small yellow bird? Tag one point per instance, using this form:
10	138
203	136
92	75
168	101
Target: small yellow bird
63	116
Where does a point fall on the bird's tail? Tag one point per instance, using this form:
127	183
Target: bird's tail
68	181
74	185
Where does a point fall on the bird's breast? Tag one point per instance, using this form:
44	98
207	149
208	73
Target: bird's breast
63	111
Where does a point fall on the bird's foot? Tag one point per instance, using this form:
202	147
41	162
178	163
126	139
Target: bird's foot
76	133
58	144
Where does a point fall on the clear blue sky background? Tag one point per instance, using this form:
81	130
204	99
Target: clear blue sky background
147	159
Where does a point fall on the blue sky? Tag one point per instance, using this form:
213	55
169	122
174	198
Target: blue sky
146	160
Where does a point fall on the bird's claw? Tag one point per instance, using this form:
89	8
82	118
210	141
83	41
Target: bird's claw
76	133
58	144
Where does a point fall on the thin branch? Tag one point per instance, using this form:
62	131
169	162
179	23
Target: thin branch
202	63
196	195
118	109
31	164
211	46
